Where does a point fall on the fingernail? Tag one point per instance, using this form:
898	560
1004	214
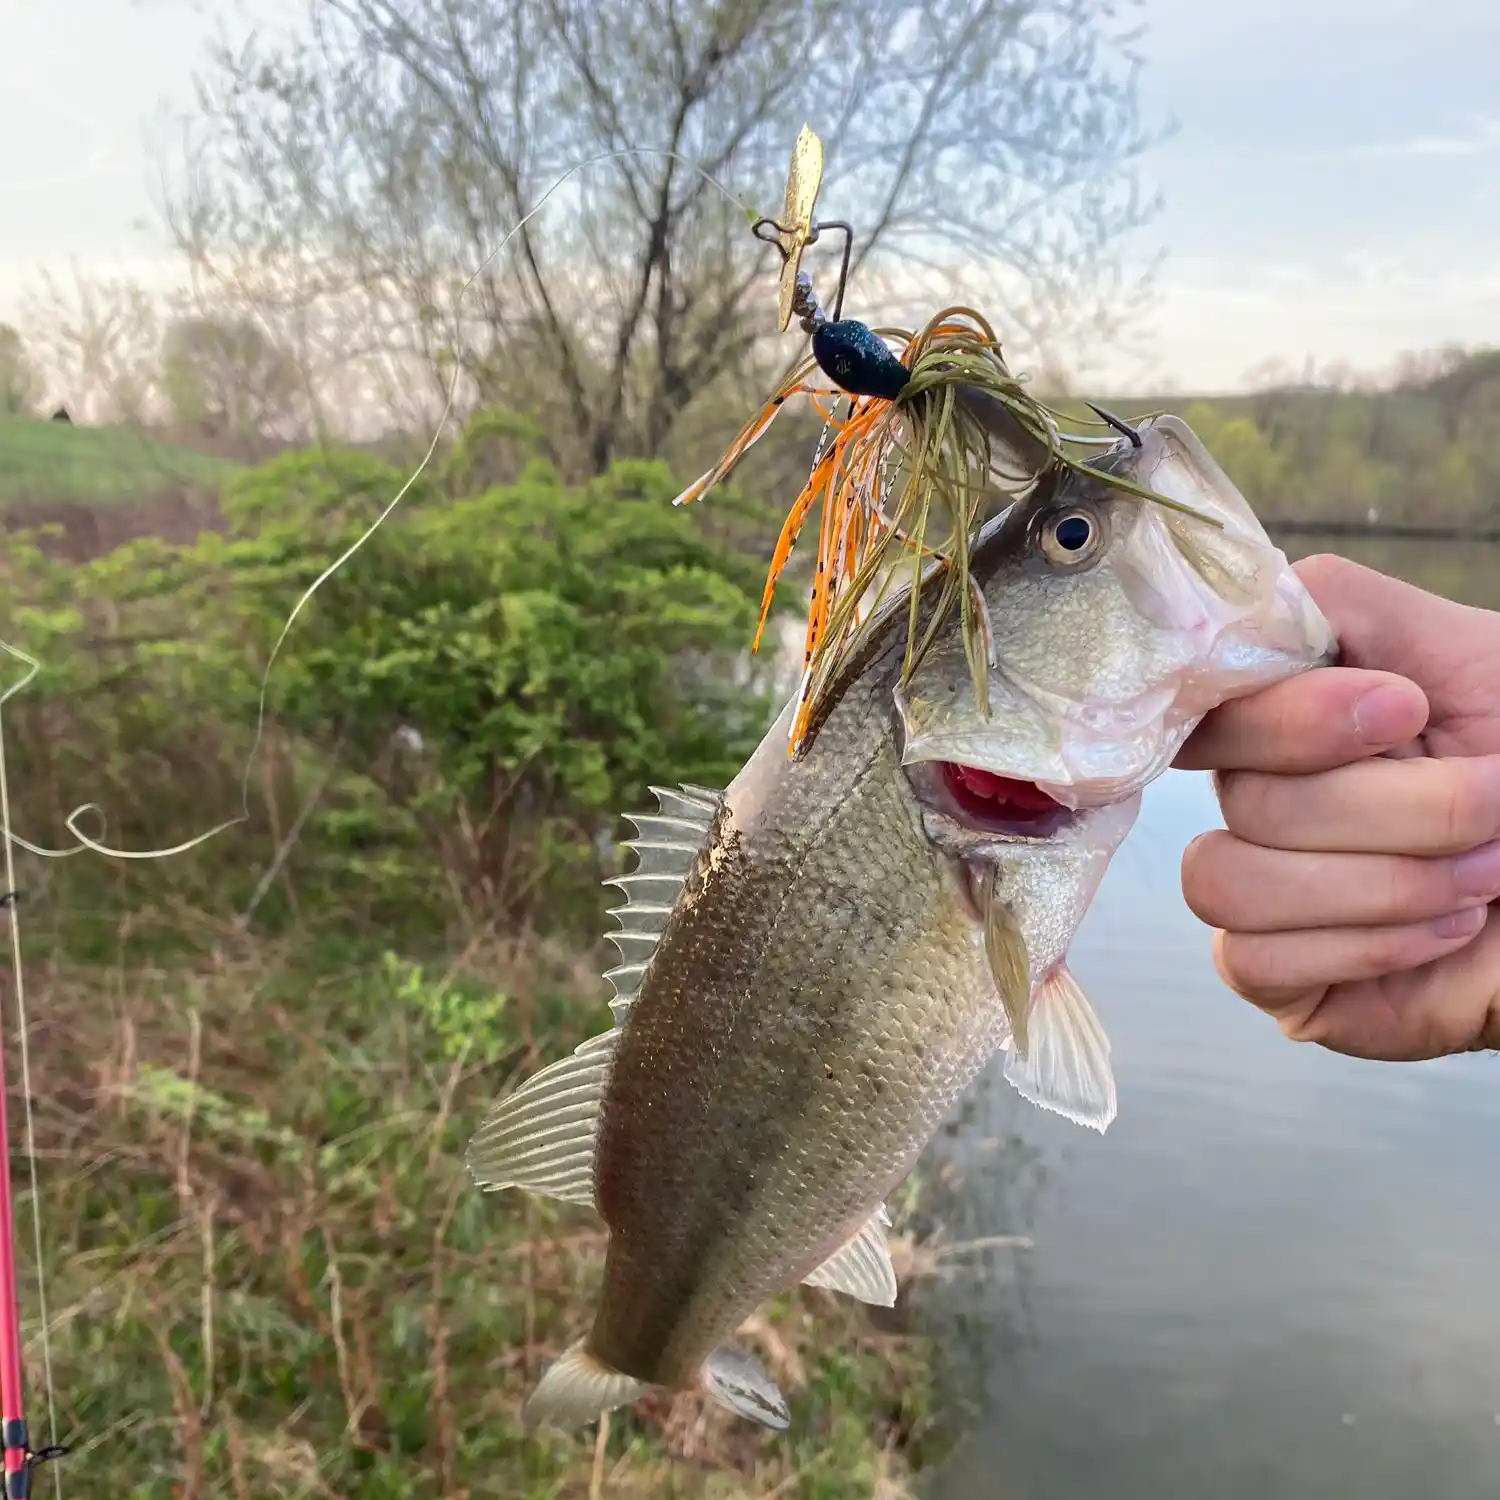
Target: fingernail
1459	924
1383	716
1477	873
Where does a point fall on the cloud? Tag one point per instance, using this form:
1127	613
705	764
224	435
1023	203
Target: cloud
1481	139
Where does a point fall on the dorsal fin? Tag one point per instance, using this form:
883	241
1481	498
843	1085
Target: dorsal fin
667	844
542	1137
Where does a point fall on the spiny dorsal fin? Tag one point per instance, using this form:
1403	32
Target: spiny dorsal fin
862	1266
668	842
541	1138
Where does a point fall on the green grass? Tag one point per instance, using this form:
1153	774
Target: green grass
270	1275
51	463
268	1272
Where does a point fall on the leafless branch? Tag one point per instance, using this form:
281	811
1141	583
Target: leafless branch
351	186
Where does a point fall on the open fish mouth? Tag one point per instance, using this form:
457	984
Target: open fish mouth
990	803
1036	752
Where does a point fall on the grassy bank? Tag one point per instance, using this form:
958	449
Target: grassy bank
61	463
256	1064
270	1276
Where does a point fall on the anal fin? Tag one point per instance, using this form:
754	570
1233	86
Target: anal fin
861	1267
576	1388
1065	1064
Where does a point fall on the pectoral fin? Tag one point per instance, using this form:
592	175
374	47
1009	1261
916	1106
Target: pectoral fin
1065	1066
861	1267
1005	947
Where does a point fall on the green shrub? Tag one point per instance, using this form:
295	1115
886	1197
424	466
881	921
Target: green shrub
499	675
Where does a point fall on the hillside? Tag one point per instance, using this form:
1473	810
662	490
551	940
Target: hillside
61	463
1414	454
101	486
1417	453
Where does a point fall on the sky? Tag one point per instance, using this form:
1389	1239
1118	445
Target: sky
1332	186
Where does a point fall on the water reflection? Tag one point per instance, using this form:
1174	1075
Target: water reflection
1275	1276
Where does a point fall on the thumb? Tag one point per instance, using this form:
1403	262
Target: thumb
1450	650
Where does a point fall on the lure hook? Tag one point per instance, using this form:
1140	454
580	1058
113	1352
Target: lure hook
1118	423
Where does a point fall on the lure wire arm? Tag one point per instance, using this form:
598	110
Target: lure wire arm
848	232
760	226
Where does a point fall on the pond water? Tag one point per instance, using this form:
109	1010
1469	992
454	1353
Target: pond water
1277	1275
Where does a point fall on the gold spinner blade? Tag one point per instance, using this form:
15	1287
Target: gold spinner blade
803	179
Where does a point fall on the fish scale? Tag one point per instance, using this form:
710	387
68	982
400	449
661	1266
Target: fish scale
816	963
839	1034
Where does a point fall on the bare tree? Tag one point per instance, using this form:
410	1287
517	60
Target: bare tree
227	380
383	153
18	384
1462	383
97	339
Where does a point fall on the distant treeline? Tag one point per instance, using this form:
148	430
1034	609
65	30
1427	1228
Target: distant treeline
1413	456
1409	459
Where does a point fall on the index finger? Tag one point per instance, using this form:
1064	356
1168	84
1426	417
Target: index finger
1331	716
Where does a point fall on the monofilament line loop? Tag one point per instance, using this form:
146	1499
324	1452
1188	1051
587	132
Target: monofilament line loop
11	1407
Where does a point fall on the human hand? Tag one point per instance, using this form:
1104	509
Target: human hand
1351	889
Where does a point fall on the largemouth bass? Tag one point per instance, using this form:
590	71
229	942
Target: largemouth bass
818	960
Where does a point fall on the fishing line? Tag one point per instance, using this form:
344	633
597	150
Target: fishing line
9	1315
26	1456
243	816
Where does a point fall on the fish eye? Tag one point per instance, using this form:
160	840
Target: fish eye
1069	538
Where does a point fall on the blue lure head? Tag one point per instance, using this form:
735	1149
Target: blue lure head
858	360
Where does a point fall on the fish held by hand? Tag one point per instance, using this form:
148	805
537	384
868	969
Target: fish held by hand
818	961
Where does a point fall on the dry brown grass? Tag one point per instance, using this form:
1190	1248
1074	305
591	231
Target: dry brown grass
270	1276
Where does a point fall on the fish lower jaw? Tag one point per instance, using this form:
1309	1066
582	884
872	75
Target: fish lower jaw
985	804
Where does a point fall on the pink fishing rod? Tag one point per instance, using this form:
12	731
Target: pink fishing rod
20	1456
12	1412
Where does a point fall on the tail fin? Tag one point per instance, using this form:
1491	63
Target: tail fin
577	1387
736	1381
